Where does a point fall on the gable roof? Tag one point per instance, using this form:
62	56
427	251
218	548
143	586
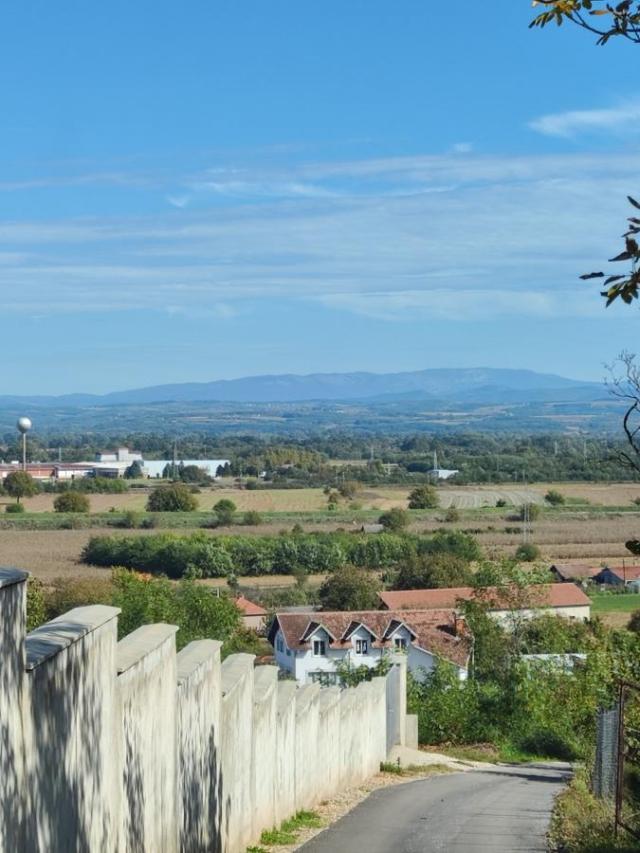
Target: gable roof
249	608
435	631
578	571
625	573
549	595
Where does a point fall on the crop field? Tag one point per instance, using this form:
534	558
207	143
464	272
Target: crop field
593	526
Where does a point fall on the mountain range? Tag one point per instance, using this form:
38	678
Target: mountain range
440	385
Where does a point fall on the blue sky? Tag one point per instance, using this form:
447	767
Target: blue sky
208	190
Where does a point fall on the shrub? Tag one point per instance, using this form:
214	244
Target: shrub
14	508
71	501
424	497
225	511
452	515
533	510
634	622
251	518
350	588
554	498
527	552
174	498
394	519
430	571
501	502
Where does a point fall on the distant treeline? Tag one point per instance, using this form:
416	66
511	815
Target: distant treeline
218	556
328	460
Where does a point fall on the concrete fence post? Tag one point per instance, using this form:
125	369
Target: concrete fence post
199	761
396	702
308	762
13	609
264	746
71	768
237	773
147	692
285	766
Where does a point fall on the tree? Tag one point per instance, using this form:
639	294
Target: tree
606	21
424	497
193	474
432	571
134	471
71	501
395	519
349	489
554	498
20	484
225	510
527	552
623	19
350	588
174	498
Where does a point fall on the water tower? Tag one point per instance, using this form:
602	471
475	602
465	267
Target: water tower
23	426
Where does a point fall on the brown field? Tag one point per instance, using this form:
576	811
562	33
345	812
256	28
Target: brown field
581	535
375	498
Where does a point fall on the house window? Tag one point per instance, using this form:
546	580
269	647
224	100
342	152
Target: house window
362	647
280	644
319	648
400	643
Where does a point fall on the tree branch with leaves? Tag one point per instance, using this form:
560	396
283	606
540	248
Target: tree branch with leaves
598	17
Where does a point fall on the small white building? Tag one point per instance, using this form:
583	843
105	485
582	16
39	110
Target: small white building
154	467
310	646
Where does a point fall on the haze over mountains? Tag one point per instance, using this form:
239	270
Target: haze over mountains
455	385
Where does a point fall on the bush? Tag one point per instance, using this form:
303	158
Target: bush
14	508
527	553
554	498
350	588
71	501
424	497
174	498
431	571
251	518
394	519
501	502
225	511
633	623
533	510
452	515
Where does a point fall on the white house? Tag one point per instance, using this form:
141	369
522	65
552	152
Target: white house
561	599
310	645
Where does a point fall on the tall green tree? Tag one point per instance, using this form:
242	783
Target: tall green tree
350	588
20	484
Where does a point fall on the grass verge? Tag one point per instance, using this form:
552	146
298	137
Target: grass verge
288	831
582	823
414	769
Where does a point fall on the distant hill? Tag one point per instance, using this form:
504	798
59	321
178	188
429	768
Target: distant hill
477	385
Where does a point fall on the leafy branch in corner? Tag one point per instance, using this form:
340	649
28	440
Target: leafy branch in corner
602	19
623	286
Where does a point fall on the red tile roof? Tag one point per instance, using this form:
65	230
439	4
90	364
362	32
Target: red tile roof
625	573
439	632
549	595
249	608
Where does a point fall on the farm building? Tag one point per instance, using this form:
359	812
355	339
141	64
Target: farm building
563	599
618	575
154	467
253	616
579	573
311	646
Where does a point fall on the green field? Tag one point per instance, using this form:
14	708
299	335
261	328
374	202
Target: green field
623	603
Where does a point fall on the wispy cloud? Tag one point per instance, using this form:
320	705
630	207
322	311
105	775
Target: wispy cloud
624	118
435	236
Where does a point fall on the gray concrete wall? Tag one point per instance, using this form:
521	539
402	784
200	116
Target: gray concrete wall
147	740
237	750
199	733
109	746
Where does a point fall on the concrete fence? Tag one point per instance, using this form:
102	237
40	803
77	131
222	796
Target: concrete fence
128	746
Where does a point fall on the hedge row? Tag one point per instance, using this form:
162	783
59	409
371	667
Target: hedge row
217	556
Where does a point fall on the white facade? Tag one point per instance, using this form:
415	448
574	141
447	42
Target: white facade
318	662
504	617
154	467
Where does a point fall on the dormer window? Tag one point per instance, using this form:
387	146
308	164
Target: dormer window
362	647
400	643
319	648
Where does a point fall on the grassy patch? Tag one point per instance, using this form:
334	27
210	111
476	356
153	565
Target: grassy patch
581	823
413	769
289	829
488	752
615	603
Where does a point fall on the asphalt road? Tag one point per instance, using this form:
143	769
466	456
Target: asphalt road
483	811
